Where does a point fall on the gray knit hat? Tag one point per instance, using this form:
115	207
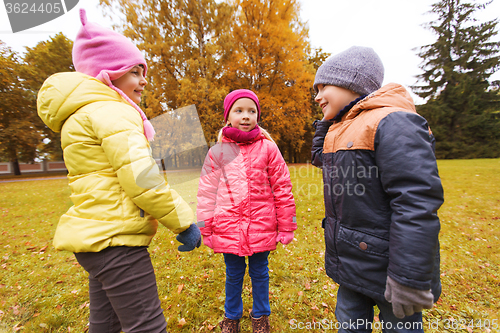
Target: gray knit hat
358	69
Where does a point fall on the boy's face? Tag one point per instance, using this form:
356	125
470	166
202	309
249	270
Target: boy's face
332	99
243	115
132	83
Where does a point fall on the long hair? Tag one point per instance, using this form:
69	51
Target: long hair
263	131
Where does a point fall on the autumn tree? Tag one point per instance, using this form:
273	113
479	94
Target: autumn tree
315	58
18	136
270	58
40	62
186	44
462	106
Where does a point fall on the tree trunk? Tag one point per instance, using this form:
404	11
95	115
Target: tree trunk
15	166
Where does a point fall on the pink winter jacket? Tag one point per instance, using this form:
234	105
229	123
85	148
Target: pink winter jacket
245	196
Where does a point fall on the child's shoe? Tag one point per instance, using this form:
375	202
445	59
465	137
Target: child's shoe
261	324
230	325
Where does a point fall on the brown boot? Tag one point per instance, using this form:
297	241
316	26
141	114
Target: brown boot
261	324
229	325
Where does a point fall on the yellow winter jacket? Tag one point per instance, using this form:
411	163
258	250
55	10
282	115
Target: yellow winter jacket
112	174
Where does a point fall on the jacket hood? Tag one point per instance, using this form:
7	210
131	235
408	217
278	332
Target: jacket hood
62	94
390	95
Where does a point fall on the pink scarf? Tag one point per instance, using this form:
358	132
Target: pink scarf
240	136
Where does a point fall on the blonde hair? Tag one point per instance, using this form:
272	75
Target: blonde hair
263	131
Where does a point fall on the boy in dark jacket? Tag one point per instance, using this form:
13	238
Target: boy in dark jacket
382	192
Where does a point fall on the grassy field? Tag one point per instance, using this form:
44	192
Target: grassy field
43	290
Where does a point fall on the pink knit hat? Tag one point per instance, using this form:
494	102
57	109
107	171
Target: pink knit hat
108	55
234	95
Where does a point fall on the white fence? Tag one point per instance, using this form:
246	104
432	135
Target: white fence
42	167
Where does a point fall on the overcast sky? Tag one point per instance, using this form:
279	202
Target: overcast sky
393	28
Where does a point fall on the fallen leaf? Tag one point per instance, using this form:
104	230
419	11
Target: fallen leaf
182	322
307	285
17	328
179	288
324	305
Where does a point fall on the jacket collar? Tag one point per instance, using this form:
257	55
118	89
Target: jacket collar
390	95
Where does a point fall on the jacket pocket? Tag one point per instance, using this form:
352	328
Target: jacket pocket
363	261
356	241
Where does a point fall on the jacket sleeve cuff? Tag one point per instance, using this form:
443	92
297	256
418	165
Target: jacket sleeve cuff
289	225
322	126
205	227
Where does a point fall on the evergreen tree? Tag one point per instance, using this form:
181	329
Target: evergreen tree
461	102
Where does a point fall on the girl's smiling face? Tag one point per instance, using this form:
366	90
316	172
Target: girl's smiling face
243	115
132	83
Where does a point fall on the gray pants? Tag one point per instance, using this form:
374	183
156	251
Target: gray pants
122	291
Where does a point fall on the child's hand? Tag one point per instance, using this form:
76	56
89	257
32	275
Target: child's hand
285	237
191	238
405	300
207	240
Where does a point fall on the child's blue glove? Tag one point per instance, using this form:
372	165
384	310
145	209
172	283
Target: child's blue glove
191	238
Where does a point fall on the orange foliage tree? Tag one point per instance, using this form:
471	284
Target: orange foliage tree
200	50
270	58
186	44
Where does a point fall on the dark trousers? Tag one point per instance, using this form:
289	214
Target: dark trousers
122	291
355	313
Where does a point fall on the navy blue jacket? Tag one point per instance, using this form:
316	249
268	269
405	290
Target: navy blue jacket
382	191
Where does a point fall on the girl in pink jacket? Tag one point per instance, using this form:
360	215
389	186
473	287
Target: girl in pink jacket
245	199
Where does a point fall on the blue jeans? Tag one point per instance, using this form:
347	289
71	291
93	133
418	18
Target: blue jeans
354	313
259	274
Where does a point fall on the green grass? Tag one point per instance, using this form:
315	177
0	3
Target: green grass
43	290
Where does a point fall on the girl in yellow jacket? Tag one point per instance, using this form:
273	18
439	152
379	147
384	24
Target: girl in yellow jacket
118	193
